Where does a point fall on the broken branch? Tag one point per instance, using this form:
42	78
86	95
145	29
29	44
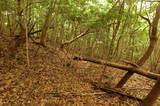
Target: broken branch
74	39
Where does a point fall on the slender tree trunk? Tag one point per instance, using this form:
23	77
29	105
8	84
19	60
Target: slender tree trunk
113	39
147	54
47	22
115	31
19	40
153	95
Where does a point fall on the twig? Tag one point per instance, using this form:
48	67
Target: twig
147	19
27	43
112	91
130	63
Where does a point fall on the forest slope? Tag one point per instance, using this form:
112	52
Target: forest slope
53	79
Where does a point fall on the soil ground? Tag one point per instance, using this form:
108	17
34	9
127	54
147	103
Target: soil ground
55	80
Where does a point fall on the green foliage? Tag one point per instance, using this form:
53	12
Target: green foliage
71	17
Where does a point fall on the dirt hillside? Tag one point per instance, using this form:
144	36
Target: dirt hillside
54	79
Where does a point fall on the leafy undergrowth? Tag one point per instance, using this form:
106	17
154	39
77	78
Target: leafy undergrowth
55	80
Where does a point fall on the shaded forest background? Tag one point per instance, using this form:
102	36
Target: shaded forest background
116	28
34	32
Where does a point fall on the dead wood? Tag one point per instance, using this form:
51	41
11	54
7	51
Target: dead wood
124	79
32	33
74	39
130	63
153	40
97	86
68	94
37	31
121	66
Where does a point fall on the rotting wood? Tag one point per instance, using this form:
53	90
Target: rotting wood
121	66
112	91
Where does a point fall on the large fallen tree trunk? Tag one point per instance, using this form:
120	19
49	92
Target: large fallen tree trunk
122	67
151	97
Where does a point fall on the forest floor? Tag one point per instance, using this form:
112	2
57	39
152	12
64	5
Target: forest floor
55	80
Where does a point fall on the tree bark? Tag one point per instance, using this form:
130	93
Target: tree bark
47	22
19	40
115	30
120	66
147	54
153	95
155	92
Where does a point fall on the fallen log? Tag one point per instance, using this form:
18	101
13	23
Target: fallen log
97	86
153	30
69	94
120	66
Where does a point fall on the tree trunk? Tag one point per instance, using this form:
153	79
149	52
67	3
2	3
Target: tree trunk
115	30
113	39
147	54
19	40
155	92
153	95
121	66
47	23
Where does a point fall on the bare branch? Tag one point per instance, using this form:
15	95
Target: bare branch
147	19
76	38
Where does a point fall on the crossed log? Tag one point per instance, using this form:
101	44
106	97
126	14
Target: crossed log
154	93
